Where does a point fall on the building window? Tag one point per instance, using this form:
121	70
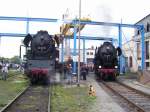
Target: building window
130	61
148	27
87	53
126	61
147	49
138	51
91	53
147	64
138	32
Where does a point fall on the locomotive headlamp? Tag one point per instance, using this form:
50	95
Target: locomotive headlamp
100	66
57	59
116	66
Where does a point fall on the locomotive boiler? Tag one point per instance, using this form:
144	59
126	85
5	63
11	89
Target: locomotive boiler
106	61
40	57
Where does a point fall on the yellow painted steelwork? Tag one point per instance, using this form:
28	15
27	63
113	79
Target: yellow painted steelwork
66	28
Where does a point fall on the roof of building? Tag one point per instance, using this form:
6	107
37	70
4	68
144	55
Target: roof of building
142	19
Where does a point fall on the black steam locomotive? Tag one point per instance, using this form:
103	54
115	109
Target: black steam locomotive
40	56
106	61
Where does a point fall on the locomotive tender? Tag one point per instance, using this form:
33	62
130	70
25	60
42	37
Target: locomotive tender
106	61
40	57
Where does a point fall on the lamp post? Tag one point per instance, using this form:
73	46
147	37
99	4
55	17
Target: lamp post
79	44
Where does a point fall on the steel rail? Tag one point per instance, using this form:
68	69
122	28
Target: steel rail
132	103
49	100
12	101
20	94
138	91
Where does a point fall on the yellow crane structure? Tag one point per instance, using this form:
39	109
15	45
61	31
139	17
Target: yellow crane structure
66	28
68	31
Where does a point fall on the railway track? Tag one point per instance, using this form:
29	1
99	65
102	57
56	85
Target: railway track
138	100
32	99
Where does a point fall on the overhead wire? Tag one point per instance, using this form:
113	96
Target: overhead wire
130	48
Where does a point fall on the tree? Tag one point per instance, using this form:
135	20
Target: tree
15	59
4	59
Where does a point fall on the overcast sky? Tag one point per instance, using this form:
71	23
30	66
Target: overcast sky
130	11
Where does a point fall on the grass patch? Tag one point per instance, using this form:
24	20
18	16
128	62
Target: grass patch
73	99
14	84
26	106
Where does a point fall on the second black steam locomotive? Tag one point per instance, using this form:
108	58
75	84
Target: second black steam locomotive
106	61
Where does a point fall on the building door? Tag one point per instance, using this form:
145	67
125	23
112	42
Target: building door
130	61
147	49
